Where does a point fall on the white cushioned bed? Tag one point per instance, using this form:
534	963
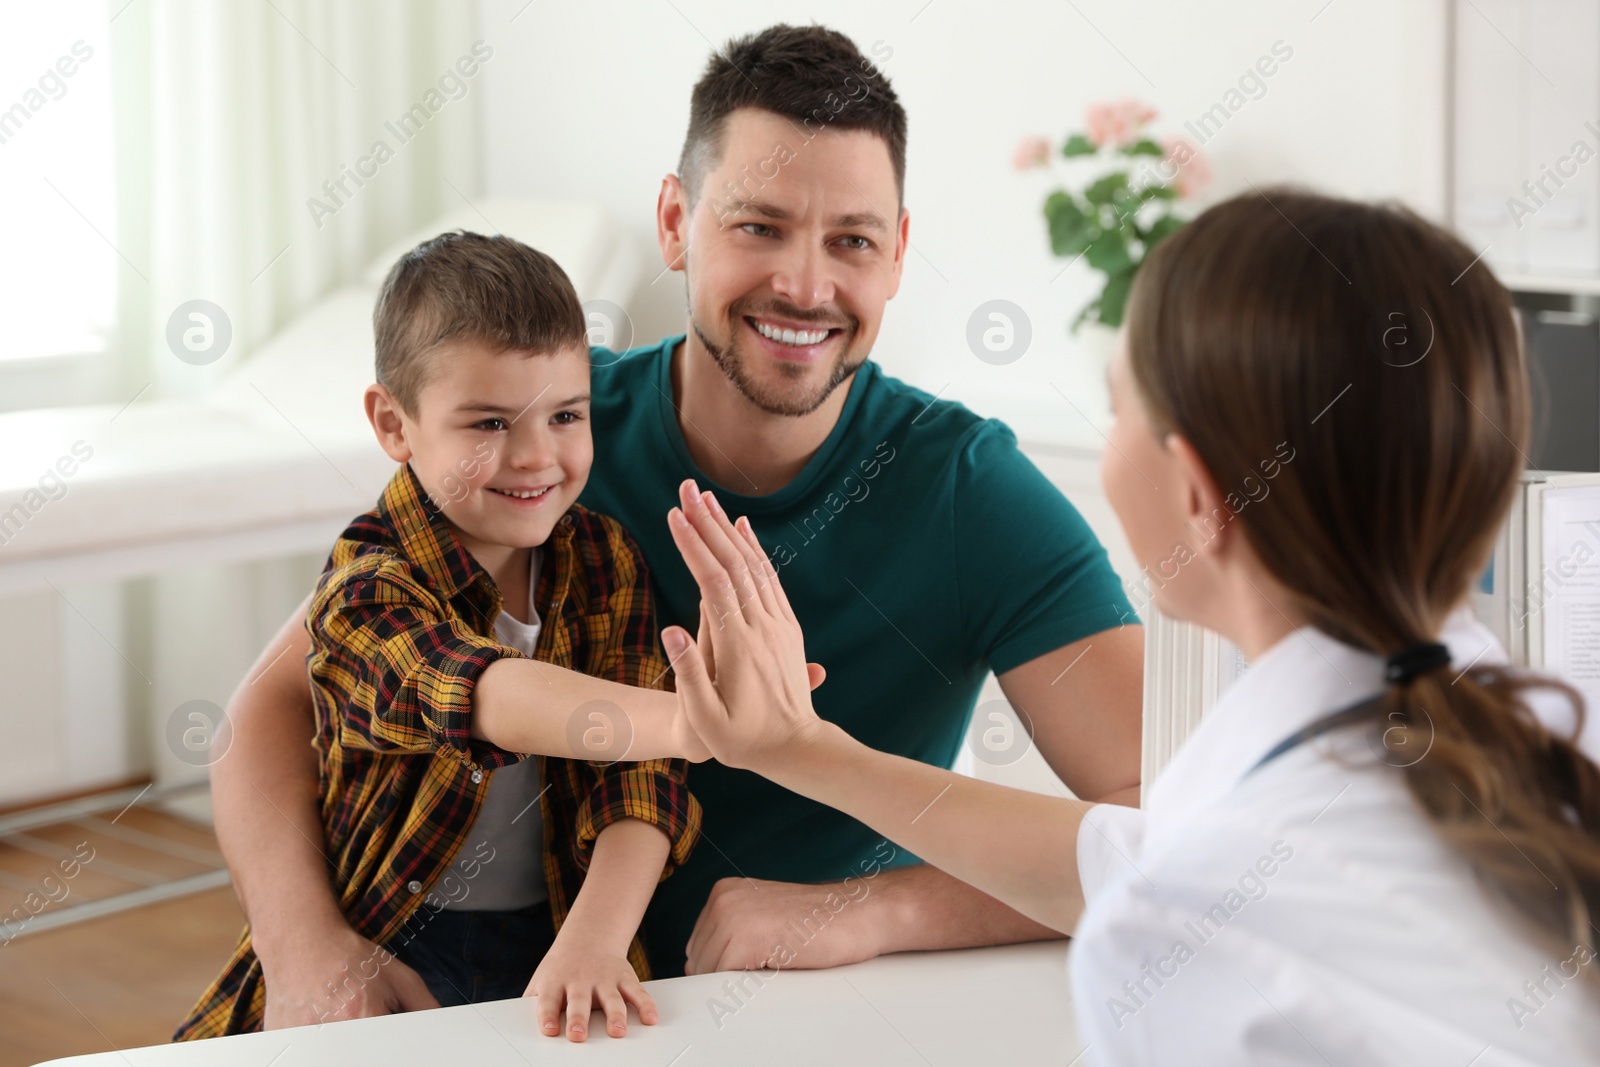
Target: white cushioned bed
276	459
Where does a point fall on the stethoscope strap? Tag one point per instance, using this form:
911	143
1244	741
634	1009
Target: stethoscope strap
1359	712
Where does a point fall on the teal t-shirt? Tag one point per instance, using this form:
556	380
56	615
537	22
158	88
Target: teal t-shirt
920	549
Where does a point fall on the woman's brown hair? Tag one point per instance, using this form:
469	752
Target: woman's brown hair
1388	357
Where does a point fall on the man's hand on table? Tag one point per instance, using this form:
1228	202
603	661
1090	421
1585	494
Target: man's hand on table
338	974
749	924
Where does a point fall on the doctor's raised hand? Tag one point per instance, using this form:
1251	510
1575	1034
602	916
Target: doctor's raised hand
744	682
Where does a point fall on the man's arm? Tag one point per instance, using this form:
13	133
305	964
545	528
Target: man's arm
900	910
264	799
264	793
1085	703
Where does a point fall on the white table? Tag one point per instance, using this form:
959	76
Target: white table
978	1006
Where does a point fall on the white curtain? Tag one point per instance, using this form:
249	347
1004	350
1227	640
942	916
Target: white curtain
230	116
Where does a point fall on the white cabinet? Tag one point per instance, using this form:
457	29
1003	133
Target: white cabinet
1526	159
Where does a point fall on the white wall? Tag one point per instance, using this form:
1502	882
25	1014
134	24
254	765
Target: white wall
66	698
590	101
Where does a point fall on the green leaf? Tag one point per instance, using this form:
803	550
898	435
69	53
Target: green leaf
1114	297
1160	230
1123	212
1105	190
1143	147
1070	229
1157	191
1109	253
1078	145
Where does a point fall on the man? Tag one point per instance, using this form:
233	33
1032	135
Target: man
920	549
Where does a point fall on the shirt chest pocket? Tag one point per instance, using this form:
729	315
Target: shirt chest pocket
584	643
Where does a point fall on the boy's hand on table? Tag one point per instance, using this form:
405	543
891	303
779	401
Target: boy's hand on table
579	975
336	975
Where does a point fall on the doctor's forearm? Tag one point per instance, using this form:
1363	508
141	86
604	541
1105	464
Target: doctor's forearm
1016	846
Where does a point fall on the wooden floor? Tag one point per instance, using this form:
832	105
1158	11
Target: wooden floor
119	981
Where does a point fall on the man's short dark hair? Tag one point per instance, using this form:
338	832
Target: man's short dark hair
463	286
814	76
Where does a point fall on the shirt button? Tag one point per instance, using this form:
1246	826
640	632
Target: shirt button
414	886
477	776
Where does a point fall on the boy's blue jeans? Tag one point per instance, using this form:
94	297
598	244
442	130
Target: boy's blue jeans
467	957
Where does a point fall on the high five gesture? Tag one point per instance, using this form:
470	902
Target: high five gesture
743	686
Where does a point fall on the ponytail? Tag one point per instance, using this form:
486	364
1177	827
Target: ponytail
1516	799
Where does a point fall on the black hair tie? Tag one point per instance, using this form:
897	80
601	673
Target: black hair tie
1404	666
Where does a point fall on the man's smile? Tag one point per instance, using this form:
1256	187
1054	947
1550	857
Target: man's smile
793	341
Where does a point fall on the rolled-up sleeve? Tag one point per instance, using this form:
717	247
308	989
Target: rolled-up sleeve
656	792
407	668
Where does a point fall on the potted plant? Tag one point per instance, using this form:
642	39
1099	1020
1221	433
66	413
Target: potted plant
1118	205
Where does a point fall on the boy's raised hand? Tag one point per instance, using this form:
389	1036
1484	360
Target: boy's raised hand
745	684
687	741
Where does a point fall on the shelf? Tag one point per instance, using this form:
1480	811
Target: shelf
1579	284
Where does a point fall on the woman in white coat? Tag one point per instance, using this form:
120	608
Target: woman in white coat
1382	845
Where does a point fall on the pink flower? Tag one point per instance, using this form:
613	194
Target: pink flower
1117	123
1031	152
1190	169
1106	125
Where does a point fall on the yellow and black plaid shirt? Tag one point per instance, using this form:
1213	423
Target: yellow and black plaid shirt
402	626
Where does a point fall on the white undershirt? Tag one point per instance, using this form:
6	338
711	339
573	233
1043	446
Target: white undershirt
509	822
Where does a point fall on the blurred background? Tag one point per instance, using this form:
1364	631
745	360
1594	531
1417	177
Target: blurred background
201	198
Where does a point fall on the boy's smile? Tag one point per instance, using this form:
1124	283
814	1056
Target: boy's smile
500	441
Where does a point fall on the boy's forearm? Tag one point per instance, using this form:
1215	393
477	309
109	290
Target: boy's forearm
524	705
623	872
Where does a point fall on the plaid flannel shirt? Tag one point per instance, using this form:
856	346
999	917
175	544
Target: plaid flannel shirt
402	626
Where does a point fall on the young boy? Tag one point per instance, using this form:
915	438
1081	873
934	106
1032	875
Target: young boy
478	613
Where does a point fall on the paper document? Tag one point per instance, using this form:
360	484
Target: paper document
1566	590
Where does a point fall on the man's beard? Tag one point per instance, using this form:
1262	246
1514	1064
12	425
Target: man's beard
732	361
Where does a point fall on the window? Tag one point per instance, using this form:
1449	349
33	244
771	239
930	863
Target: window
58	276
